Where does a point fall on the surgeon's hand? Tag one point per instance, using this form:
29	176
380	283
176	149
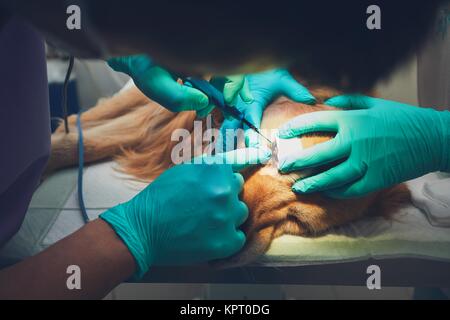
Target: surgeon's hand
189	214
161	86
381	143
265	87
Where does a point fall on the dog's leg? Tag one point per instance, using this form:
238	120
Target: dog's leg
110	108
100	142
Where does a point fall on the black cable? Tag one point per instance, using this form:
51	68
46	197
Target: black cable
64	93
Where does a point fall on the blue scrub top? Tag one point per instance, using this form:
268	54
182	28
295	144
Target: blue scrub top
24	121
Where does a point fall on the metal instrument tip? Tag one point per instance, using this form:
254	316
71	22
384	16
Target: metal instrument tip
248	123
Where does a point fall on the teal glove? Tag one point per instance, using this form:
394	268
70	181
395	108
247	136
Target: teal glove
264	87
385	142
161	86
189	214
233	87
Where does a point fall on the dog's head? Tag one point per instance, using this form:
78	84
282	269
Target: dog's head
274	209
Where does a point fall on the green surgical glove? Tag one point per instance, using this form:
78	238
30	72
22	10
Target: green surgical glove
233	87
381	143
189	214
264	87
161	86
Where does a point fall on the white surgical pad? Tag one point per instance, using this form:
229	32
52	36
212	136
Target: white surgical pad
283	148
434	199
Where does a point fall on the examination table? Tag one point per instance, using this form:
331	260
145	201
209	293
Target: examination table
409	250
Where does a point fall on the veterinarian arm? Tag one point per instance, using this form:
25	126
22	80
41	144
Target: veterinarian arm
379	142
166	223
265	88
161	86
103	259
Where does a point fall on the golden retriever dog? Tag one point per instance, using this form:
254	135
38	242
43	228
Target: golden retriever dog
136	132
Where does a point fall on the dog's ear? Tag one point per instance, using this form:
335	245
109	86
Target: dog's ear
256	245
390	200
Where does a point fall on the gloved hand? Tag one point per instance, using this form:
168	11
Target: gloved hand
233	87
385	143
161	86
264	87
189	214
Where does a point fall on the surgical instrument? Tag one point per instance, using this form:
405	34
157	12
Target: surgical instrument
217	98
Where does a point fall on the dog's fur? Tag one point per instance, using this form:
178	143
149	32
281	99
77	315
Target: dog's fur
136	132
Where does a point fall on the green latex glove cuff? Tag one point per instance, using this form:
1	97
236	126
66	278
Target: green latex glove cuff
118	220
